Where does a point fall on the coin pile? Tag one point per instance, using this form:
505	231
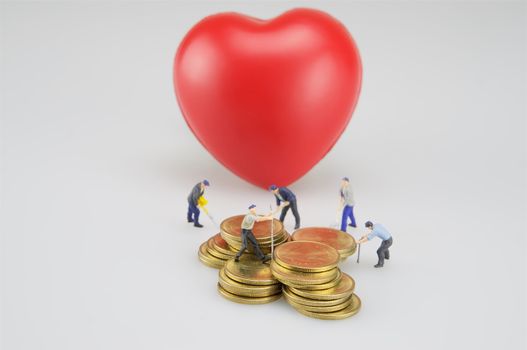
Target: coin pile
215	252
223	246
248	281
231	232
313	284
343	242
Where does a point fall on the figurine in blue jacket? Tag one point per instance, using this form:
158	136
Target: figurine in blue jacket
288	199
193	197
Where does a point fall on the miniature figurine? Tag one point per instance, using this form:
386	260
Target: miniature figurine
346	202
288	199
247	233
193	200
377	230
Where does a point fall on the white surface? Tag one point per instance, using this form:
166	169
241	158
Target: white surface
97	162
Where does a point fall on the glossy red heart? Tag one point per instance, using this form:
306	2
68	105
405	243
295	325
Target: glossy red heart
268	98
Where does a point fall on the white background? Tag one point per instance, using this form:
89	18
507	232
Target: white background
97	162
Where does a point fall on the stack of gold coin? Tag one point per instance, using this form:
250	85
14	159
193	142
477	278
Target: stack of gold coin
215	252
343	242
314	285
231	232
248	281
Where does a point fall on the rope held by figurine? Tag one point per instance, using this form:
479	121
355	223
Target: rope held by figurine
272	231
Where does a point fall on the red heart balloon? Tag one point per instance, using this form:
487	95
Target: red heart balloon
268	98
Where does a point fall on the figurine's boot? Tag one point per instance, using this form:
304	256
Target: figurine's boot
197	224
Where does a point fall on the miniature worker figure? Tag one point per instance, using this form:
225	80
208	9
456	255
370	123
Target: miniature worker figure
377	230
346	202
247	233
193	200
288	199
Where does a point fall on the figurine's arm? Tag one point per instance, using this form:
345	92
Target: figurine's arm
363	239
264	218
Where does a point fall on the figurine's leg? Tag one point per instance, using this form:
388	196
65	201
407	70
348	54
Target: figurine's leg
256	246
243	247
284	212
380	254
352	217
189	214
196	217
388	244
345	214
294	209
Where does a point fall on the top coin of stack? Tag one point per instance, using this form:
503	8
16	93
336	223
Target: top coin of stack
231	232
343	242
314	285
248	281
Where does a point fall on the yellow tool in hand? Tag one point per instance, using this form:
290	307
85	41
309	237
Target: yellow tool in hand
202	202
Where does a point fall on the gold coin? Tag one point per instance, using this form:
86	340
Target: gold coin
247	290
221	245
351	310
343	242
248	300
321	286
312	302
233	227
287	276
220	255
307	256
321	309
250	270
278	238
343	289
208	259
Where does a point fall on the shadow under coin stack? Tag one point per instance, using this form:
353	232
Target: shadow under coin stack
313	283
343	242
248	281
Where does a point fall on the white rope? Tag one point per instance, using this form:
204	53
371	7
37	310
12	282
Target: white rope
272	231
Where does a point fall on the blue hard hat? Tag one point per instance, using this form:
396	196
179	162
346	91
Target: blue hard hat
368	224
346	179
272	187
252	206
206	182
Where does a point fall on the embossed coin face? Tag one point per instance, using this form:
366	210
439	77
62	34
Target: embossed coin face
307	256
341	241
250	270
261	230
